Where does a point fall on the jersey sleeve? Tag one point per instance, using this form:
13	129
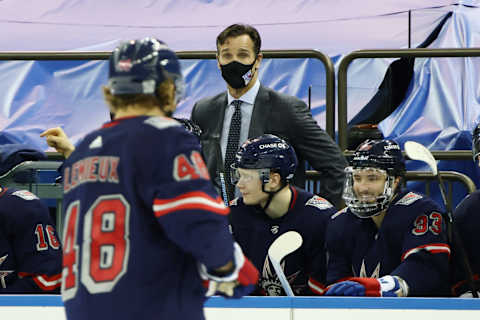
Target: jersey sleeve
317	258
175	182
35	245
424	263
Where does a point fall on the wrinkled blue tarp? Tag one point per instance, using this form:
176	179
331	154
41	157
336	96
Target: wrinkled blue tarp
440	110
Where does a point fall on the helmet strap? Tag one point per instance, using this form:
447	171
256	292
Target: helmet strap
271	194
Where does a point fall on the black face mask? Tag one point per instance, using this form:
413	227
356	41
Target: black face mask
237	74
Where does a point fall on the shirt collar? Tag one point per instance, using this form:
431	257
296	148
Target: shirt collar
249	96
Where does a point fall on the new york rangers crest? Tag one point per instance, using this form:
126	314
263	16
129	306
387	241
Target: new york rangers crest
319	202
24	194
409	198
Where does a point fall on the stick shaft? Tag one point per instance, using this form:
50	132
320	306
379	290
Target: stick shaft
282	278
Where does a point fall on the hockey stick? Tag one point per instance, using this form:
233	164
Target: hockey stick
221	172
416	151
279	249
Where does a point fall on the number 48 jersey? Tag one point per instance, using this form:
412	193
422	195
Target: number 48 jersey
140	213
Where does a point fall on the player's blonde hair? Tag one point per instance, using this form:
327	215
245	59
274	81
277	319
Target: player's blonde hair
164	96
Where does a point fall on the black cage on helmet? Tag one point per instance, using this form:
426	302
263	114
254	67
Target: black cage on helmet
267	152
139	66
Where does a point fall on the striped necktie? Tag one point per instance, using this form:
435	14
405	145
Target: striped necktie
232	146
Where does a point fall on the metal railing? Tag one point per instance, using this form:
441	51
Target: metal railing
400	53
42	190
269	54
448	176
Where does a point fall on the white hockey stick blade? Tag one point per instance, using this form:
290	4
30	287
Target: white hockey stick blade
416	151
279	249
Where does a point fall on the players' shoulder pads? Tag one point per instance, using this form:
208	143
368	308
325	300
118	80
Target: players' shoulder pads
25	195
319	202
162	122
408	199
339	213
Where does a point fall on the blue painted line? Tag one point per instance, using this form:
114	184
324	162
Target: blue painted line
286	302
31	300
385	303
250	302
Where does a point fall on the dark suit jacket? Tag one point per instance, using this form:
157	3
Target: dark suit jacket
287	117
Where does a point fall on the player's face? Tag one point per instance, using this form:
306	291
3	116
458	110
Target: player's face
250	186
368	183
237	49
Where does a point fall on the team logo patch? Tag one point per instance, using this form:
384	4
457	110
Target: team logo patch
274	229
409	198
319	202
233	202
24	194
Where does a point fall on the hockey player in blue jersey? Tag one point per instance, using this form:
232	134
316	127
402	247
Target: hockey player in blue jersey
387	242
467	225
269	206
144	227
30	253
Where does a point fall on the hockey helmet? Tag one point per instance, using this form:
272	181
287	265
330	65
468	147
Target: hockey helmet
139	66
268	153
385	158
476	143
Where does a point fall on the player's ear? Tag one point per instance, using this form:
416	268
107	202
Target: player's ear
275	179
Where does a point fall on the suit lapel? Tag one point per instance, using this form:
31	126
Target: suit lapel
260	114
221	106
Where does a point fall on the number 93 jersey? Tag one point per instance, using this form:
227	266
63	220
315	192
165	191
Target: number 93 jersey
411	243
140	213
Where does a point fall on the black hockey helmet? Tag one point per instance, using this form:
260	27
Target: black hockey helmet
383	157
139	66
266	152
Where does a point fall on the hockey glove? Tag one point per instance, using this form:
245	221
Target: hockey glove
386	286
241	281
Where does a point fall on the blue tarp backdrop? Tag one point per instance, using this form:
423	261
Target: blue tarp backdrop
440	110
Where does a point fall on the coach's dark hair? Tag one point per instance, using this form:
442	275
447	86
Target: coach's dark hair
236	30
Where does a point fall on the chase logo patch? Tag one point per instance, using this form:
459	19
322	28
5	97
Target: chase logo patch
319	202
24	194
409	198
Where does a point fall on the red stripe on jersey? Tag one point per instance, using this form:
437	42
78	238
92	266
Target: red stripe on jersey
3	190
44	282
294	198
431	247
316	287
190	201
113	123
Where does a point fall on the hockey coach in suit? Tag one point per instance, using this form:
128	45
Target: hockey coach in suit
248	109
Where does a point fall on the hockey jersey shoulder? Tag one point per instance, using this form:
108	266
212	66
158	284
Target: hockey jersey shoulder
319	202
161	122
409	198
25	195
